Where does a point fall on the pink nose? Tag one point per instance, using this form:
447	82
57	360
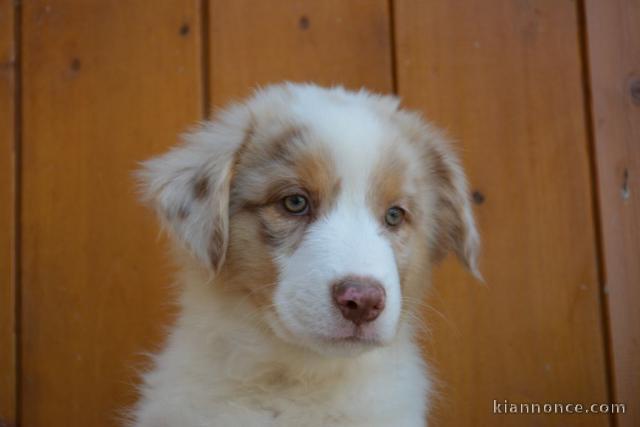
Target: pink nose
359	299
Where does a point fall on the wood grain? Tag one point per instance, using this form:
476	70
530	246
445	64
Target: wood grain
506	82
106	85
613	35
7	215
325	42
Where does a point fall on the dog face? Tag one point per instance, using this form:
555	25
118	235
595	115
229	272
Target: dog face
321	206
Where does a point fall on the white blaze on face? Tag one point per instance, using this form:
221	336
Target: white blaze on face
348	241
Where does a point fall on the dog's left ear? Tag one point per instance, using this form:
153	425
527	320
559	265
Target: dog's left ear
455	228
190	185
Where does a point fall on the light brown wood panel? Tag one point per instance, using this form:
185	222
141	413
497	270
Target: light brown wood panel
7	215
326	42
613	35
506	81
106	84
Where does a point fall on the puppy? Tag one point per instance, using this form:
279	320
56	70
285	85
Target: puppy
306	221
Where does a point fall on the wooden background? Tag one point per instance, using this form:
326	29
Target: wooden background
542	95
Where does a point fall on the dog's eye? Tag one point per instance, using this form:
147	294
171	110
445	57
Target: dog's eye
296	204
394	216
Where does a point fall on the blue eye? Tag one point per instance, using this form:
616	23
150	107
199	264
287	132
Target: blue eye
296	204
394	216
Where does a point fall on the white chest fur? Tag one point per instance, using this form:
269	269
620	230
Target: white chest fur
240	377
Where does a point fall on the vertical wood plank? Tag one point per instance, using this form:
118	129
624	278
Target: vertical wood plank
326	42
106	84
7	215
506	81
613	36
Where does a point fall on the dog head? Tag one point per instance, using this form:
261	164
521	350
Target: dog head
323	207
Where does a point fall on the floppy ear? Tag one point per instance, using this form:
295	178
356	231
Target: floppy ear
455	228
189	186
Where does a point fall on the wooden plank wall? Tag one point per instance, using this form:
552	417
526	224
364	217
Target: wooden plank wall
7	215
328	42
613	48
107	84
506	81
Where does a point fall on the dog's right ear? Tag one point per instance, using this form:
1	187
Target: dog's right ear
189	186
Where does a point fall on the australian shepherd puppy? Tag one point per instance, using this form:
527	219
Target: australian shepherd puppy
306	221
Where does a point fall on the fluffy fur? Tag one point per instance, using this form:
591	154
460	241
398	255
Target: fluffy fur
259	341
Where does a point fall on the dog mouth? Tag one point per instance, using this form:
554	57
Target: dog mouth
354	340
339	337
358	335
